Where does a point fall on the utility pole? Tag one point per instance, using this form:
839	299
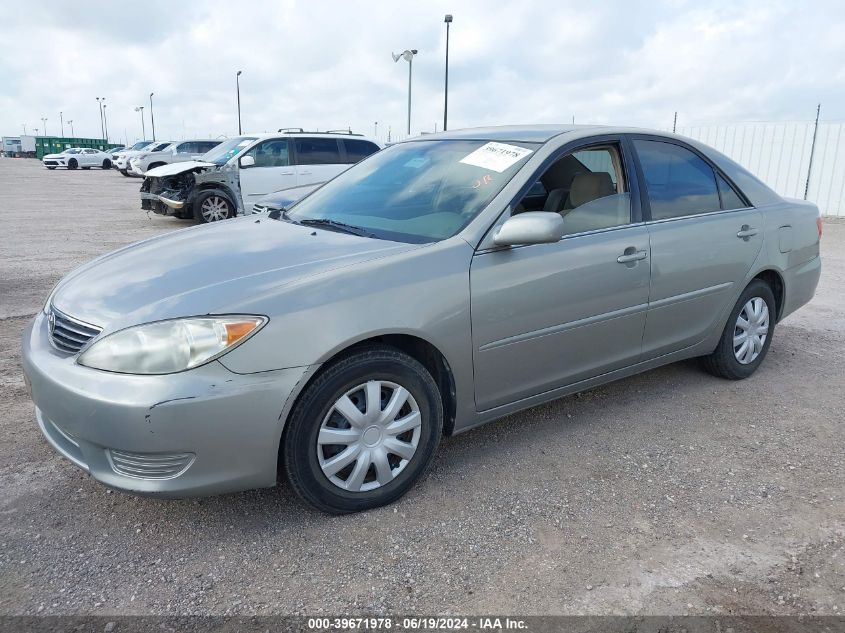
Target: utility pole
152	117
238	88
448	21
62	123
812	151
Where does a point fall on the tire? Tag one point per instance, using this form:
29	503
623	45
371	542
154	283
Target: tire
315	415
757	307
213	206
107	164
72	164
124	172
51	168
154	165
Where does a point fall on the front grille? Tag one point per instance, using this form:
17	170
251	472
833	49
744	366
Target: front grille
150	465
50	162
68	334
259	208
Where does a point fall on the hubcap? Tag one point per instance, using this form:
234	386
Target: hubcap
751	330
214	208
369	436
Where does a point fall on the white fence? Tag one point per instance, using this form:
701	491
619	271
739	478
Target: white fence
779	154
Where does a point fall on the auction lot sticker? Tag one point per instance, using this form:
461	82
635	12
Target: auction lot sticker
496	156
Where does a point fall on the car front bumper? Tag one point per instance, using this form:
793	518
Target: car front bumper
200	432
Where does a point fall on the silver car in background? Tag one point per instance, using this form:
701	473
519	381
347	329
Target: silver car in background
439	284
177	152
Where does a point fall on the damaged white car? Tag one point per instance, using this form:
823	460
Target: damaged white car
231	178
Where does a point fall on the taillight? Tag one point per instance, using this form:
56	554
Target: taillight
819	225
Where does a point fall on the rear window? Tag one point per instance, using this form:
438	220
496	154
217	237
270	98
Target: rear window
679	183
317	151
358	150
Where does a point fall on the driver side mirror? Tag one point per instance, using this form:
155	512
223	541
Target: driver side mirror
247	161
531	227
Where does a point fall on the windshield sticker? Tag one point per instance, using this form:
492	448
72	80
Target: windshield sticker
496	156
418	162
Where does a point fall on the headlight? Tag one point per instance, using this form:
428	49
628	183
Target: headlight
168	347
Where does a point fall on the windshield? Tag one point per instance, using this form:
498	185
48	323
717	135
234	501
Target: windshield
223	152
420	191
159	147
71	151
140	145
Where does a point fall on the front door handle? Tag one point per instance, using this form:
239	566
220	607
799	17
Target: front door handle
305	173
746	232
631	255
286	173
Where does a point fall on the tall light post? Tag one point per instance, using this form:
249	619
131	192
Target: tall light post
238	89
62	123
408	56
70	123
152	117
100	102
106	123
448	21
143	129
44	121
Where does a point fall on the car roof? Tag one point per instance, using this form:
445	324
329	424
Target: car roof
306	133
534	133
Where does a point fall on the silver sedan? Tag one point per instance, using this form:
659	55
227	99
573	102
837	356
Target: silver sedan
439	284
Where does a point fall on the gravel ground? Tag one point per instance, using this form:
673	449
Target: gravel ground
668	493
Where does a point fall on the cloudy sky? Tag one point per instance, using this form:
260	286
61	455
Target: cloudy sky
324	64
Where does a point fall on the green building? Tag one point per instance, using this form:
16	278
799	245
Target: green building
55	144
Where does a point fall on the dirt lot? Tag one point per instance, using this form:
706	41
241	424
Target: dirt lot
671	492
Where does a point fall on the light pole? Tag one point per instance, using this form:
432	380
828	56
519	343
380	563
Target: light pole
238	89
152	117
100	101
44	121
448	21
375	132
24	128
143	129
62	123
106	123
70	123
408	56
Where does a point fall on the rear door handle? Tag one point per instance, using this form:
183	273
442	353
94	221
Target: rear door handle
288	173
631	255
746	232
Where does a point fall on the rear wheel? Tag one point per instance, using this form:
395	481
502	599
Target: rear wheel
72	164
363	432
213	206
747	335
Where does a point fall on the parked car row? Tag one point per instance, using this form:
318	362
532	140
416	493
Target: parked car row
233	177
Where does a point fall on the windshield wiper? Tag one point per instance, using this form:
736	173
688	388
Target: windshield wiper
337	226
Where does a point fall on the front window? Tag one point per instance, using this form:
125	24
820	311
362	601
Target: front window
221	154
419	191
271	153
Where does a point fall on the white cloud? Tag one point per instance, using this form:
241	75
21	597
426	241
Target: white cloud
327	64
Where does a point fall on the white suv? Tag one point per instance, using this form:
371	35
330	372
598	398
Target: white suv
174	153
231	178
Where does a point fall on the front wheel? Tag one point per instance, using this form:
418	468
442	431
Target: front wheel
747	335
363	432
124	172
213	206
72	164
107	164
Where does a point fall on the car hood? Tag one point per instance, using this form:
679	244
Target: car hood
214	269
55	156
178	168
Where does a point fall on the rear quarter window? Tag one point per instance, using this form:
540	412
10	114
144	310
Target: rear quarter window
358	150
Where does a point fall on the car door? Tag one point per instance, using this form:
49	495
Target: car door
89	157
549	315
704	239
272	171
318	159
